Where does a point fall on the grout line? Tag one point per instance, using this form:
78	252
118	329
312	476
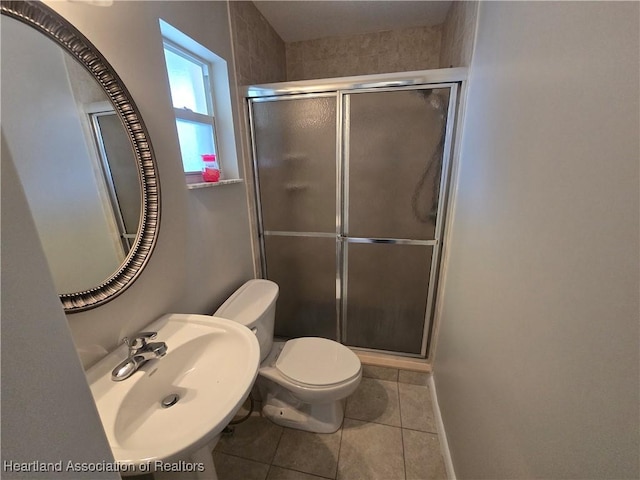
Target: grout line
382	424
377	423
305	473
399	406
421	431
341	434
404	457
340	444
275	452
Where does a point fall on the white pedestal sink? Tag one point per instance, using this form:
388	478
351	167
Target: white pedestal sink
211	364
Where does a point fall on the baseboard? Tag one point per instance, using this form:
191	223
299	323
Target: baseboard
442	435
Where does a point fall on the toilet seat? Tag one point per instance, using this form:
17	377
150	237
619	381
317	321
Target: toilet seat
317	362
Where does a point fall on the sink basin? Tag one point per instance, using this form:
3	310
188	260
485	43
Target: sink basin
211	364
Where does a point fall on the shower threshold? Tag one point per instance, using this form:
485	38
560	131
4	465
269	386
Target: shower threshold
390	360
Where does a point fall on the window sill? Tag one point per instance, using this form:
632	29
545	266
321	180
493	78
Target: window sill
193	186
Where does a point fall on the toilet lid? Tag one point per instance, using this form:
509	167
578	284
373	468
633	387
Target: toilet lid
317	361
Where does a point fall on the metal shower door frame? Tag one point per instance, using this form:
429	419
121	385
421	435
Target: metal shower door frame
341	91
436	243
258	199
126	238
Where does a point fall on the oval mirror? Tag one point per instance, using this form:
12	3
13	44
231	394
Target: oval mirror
82	153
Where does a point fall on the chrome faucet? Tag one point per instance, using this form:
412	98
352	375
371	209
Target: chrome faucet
140	351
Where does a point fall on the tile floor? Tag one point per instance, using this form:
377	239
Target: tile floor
388	433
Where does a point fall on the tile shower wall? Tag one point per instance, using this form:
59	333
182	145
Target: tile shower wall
259	56
389	51
259	50
458	33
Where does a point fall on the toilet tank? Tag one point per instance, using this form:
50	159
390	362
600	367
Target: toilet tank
254	306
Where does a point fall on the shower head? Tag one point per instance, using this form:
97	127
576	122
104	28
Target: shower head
436	102
433	99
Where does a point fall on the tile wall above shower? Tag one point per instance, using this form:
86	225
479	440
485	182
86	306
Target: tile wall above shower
458	33
258	49
261	56
406	49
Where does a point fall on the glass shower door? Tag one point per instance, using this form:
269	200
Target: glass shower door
294	142
351	188
394	188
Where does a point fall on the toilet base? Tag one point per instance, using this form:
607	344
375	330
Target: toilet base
303	407
318	418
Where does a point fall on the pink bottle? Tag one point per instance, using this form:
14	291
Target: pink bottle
210	171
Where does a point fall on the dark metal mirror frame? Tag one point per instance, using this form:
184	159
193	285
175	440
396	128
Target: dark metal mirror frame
54	26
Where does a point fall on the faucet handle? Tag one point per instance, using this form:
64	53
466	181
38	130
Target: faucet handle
139	340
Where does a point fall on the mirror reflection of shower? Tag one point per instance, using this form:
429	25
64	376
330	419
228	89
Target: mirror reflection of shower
118	170
47	126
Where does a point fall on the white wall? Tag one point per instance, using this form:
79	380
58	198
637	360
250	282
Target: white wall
537	363
77	230
203	251
48	414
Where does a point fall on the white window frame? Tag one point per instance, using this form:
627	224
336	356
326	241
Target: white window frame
185	113
221	101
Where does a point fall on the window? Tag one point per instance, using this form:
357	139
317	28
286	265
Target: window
192	103
201	97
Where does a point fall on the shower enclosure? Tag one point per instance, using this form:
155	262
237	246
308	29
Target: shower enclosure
351	187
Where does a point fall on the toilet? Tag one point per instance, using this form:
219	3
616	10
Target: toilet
303	382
